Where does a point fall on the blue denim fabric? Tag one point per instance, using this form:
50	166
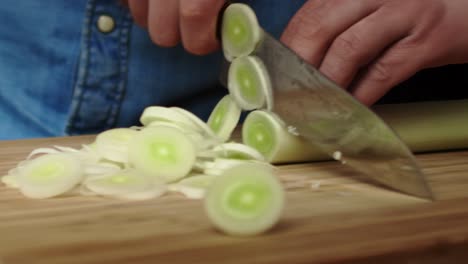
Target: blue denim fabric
59	75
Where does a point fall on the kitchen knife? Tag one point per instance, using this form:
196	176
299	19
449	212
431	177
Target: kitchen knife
329	117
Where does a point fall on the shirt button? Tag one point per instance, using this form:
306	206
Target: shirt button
105	23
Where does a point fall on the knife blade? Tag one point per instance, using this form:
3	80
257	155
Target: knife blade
331	119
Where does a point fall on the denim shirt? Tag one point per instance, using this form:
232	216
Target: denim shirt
61	74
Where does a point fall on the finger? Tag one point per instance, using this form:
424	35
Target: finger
311	31
362	43
163	22
198	20
396	65
139	10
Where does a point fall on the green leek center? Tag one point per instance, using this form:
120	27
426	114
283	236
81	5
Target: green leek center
218	117
260	137
120	179
163	152
246	200
237	31
238	155
247	83
47	172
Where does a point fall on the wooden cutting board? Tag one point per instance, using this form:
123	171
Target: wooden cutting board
331	217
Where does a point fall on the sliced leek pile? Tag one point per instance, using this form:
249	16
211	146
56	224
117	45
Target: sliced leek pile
172	151
175	151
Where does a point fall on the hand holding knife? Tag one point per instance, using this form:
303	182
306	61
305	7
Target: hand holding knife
325	114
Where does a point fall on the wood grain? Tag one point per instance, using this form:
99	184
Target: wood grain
331	217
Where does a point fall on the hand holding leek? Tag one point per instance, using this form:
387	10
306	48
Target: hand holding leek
169	22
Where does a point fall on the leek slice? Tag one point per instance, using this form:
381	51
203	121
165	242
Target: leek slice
128	184
49	175
197	122
113	144
41	151
267	133
218	165
249	83
240	31
160	113
162	152
201	140
100	168
245	200
66	149
193	187
89	154
224	118
233	151
179	126
11	181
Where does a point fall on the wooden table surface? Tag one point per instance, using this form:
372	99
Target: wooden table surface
330	217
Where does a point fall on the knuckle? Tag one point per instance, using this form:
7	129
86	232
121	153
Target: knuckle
411	42
311	17
320	32
408	49
310	22
312	25
422	35
336	71
348	47
307	30
380	72
399	60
